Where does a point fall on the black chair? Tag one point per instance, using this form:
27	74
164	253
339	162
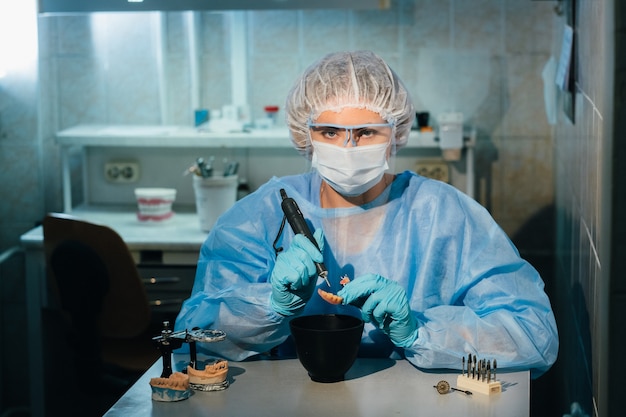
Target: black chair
94	282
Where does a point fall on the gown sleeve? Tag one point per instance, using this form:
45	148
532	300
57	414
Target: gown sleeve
231	289
497	306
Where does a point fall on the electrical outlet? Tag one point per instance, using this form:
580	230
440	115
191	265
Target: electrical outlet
121	171
435	169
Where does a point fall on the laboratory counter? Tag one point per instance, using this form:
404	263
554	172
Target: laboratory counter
372	387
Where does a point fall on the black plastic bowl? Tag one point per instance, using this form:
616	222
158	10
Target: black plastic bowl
327	344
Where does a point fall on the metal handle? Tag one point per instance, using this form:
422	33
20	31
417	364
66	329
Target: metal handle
160	280
170	301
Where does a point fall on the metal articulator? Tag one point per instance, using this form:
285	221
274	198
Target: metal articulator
169	340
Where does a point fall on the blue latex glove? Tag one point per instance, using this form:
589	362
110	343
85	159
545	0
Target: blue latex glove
294	275
383	303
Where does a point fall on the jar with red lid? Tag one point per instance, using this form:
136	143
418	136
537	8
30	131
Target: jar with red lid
271	112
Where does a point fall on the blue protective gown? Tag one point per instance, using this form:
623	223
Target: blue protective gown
467	286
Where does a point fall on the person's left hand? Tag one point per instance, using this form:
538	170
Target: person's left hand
384	303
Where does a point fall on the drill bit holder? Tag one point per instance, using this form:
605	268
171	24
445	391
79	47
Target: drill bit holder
475	385
480	376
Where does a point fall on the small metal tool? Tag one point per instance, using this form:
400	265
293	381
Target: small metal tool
170	340
474	373
463	366
484	368
298	225
205	168
166	343
443	387
495	365
231	168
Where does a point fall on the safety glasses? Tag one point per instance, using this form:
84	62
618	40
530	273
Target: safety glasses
361	135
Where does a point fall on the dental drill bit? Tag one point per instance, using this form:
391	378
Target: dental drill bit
495	365
484	368
474	366
463	366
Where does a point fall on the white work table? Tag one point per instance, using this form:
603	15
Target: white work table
176	241
373	387
178	238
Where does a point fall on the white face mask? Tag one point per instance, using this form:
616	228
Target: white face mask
350	171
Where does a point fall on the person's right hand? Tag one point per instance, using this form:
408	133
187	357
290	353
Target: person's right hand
294	275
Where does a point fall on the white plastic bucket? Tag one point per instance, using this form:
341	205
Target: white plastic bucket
214	195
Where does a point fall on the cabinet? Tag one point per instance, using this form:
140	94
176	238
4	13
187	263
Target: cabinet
167	287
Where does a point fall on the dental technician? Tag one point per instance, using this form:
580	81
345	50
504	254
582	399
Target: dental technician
432	274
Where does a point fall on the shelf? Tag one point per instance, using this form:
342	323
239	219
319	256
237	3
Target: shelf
171	136
183	136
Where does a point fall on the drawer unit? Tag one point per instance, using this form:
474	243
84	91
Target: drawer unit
167	287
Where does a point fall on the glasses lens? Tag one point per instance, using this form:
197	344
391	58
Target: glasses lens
361	135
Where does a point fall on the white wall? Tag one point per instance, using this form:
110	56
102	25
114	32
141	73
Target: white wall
480	57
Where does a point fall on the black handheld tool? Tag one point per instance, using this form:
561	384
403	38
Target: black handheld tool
298	225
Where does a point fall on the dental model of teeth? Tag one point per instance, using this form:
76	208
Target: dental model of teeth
173	388
211	378
329	296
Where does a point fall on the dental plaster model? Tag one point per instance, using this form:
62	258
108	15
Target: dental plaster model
212	378
173	388
330	297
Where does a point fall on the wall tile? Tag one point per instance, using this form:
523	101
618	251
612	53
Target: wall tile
478	25
47	37
18	112
273	33
524	111
425	24
324	32
81	95
528	29
18	163
214	33
74	35
439	81
376	30
273	91
178	94
176	31
525	180
581	155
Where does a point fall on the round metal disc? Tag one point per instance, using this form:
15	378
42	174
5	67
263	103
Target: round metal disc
443	387
206	335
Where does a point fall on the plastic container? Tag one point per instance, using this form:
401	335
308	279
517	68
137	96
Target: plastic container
271	113
214	195
327	344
